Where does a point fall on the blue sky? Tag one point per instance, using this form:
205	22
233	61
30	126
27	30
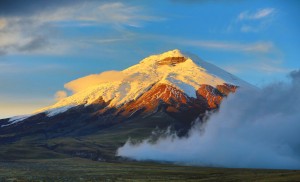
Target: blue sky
45	45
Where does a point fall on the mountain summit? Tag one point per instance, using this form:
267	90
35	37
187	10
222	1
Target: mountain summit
175	71
168	89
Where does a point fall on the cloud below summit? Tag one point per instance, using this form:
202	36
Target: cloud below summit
251	130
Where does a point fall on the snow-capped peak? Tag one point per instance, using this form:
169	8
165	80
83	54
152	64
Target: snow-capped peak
154	59
186	72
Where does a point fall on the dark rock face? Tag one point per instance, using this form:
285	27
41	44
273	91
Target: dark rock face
214	96
171	61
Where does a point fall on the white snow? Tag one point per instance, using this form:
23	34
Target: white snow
49	113
16	119
186	76
56	111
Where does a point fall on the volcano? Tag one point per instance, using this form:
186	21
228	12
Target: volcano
171	89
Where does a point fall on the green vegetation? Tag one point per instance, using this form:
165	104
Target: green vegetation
99	145
78	169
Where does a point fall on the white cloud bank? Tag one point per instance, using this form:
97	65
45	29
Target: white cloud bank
251	130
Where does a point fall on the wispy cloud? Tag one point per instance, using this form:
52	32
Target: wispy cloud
39	33
59	95
272	66
259	14
257	66
111	40
266	56
253	21
258	47
111	13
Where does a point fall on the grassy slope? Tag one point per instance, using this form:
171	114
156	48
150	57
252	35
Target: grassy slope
97	145
78	169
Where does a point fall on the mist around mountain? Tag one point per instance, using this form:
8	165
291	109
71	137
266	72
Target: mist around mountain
251	129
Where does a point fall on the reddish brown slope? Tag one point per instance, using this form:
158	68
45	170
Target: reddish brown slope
175	102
